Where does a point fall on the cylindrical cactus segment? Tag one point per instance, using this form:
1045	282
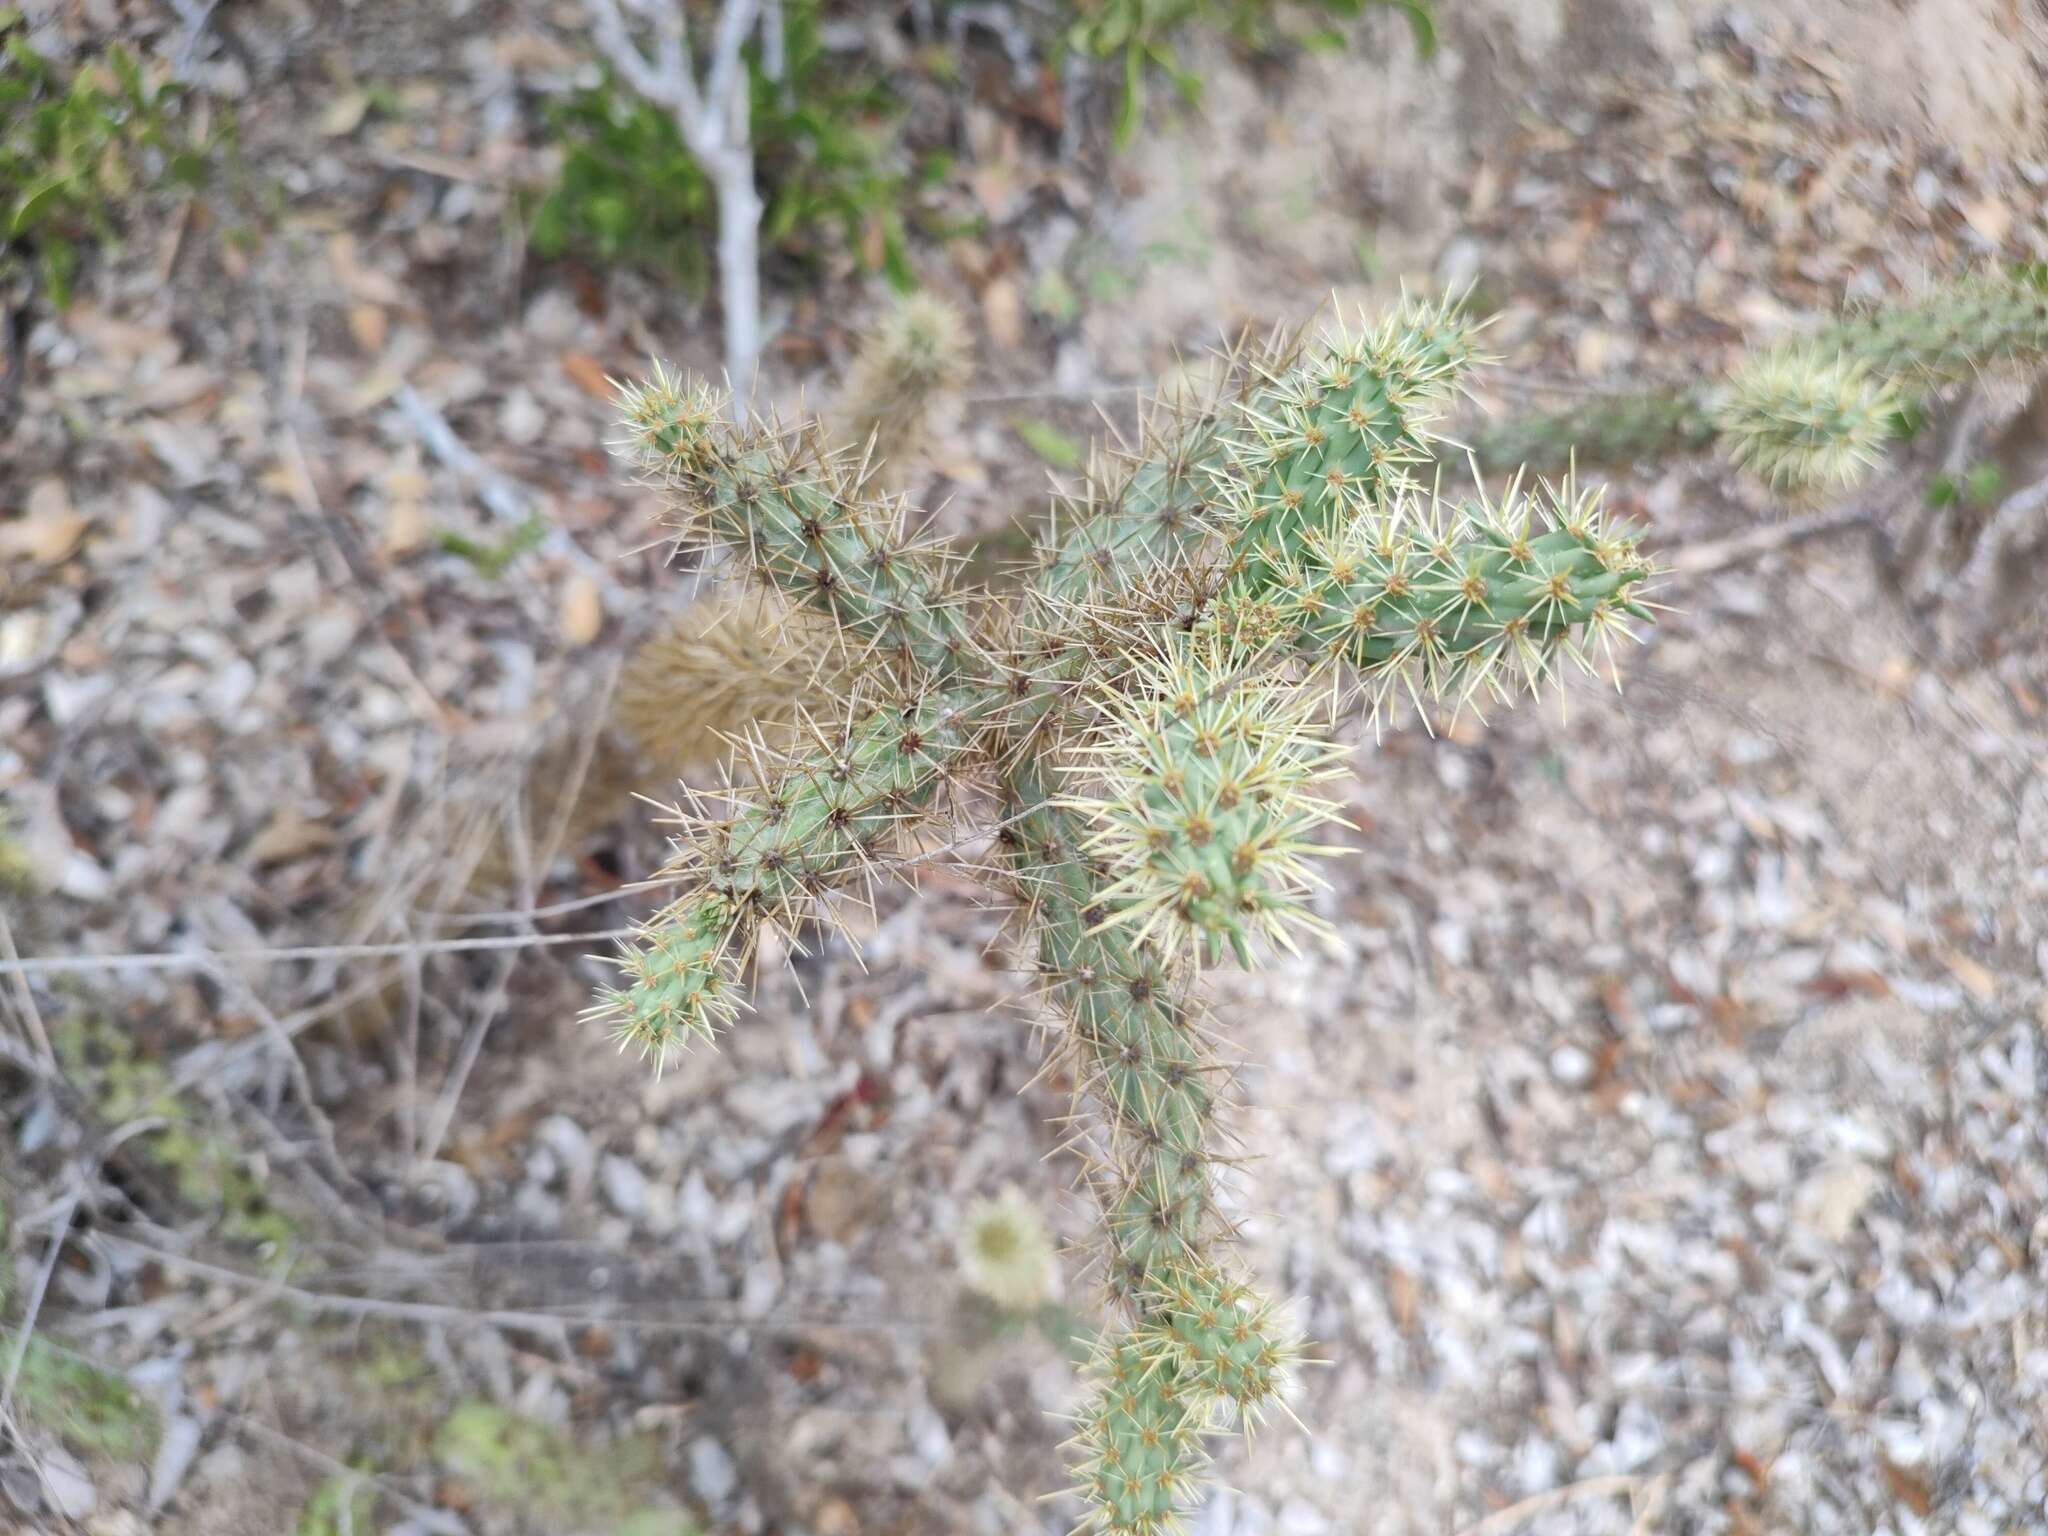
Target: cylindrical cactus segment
1146	512
1263	537
1803	418
681	982
1202	767
1412	593
800	521
1225	1344
1138	1445
916	354
1950	333
1806	412
1135	1045
1337	429
1602	429
820	818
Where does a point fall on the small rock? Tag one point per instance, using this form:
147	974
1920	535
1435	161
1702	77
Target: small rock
1298	1517
66	1485
521	418
624	1185
1831	1199
1571	1066
713	1477
174	1456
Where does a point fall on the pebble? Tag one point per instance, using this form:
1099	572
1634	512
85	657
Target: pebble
624	1186
713	1477
1571	1066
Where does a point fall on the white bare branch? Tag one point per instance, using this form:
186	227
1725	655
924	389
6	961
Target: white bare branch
712	120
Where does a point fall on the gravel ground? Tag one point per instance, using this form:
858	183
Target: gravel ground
1657	1148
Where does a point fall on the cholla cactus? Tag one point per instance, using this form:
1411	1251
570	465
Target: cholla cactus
720	670
1808	415
914	357
1146	723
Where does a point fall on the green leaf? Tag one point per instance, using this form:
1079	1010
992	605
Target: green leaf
1421	22
493	560
1132	108
1049	443
60	265
31	210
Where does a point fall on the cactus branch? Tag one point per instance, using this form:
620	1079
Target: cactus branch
1808	413
1151	716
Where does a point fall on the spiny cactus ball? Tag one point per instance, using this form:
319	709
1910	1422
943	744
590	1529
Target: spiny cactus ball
1206	811
1801	419
726	667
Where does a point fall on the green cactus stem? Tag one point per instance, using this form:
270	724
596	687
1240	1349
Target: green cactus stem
1810	413
1150	717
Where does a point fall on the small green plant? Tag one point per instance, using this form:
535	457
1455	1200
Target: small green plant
204	1169
91	1409
1006	1252
73	149
1139	36
341	1506
631	193
492	560
1143	729
540	1472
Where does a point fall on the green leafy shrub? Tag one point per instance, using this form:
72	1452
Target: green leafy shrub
73	149
1140	35
630	193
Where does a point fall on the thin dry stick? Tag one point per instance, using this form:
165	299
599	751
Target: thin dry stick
65	1212
1504	1520
424	1515
1717	554
207	959
554	909
31	1016
558	828
302	1082
552	1326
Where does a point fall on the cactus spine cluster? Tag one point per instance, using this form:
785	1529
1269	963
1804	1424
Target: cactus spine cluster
1145	727
1810	414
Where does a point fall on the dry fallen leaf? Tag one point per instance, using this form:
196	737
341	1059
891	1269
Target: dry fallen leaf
582	612
1974	976
368	324
1002	311
287	836
1990	217
588	375
405	525
1590	352
345	113
366	284
50	529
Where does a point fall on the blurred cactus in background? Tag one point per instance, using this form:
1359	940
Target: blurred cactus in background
1811	414
1140	736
